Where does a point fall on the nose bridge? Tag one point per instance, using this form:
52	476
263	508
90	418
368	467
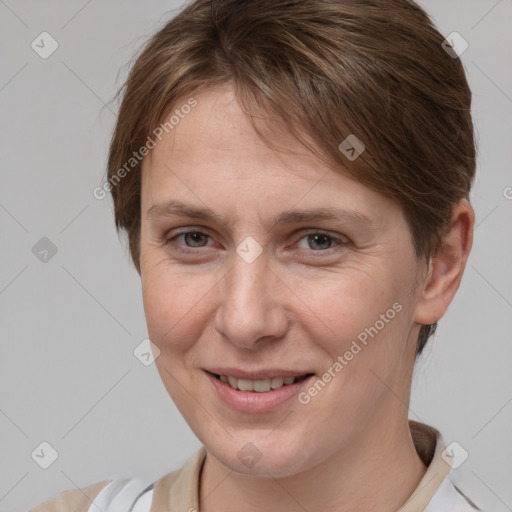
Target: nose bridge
248	308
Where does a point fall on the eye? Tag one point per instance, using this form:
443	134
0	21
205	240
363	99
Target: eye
192	239
319	241
316	241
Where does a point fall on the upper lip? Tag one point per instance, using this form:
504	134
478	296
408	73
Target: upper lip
268	373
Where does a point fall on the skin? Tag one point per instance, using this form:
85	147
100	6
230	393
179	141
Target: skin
299	305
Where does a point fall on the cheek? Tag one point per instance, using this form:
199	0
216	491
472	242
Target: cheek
364	318
166	303
176	307
348	303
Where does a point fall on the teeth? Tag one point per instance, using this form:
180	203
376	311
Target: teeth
260	386
245	385
277	382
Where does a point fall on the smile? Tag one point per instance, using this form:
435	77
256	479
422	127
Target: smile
261	385
264	392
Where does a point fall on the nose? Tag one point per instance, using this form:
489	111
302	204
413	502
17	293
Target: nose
251	311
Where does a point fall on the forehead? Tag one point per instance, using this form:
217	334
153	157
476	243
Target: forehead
217	132
213	155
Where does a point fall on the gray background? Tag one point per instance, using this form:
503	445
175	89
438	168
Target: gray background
69	326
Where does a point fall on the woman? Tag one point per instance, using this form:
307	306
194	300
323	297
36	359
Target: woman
293	178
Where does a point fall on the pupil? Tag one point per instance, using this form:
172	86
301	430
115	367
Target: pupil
324	237
194	236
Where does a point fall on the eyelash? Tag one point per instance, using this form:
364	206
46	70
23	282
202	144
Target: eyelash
171	241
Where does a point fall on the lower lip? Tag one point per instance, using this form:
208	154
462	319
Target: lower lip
254	401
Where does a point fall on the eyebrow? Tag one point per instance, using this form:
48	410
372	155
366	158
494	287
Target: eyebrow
177	208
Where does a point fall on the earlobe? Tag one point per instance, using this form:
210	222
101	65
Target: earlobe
447	266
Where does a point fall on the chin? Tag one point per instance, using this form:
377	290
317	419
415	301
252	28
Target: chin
257	454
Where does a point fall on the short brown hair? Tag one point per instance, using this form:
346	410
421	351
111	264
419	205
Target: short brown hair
372	68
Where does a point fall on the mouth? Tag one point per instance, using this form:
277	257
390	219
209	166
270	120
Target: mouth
260	385
257	391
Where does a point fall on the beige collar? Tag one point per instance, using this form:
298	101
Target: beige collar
429	445
179	490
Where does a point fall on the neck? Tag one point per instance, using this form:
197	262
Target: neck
379	470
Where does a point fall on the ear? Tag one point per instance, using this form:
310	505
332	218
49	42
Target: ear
446	266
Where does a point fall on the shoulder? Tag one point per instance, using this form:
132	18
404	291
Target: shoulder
128	494
134	494
138	495
109	495
114	494
448	497
77	500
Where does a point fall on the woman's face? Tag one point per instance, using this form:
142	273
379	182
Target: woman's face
236	283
